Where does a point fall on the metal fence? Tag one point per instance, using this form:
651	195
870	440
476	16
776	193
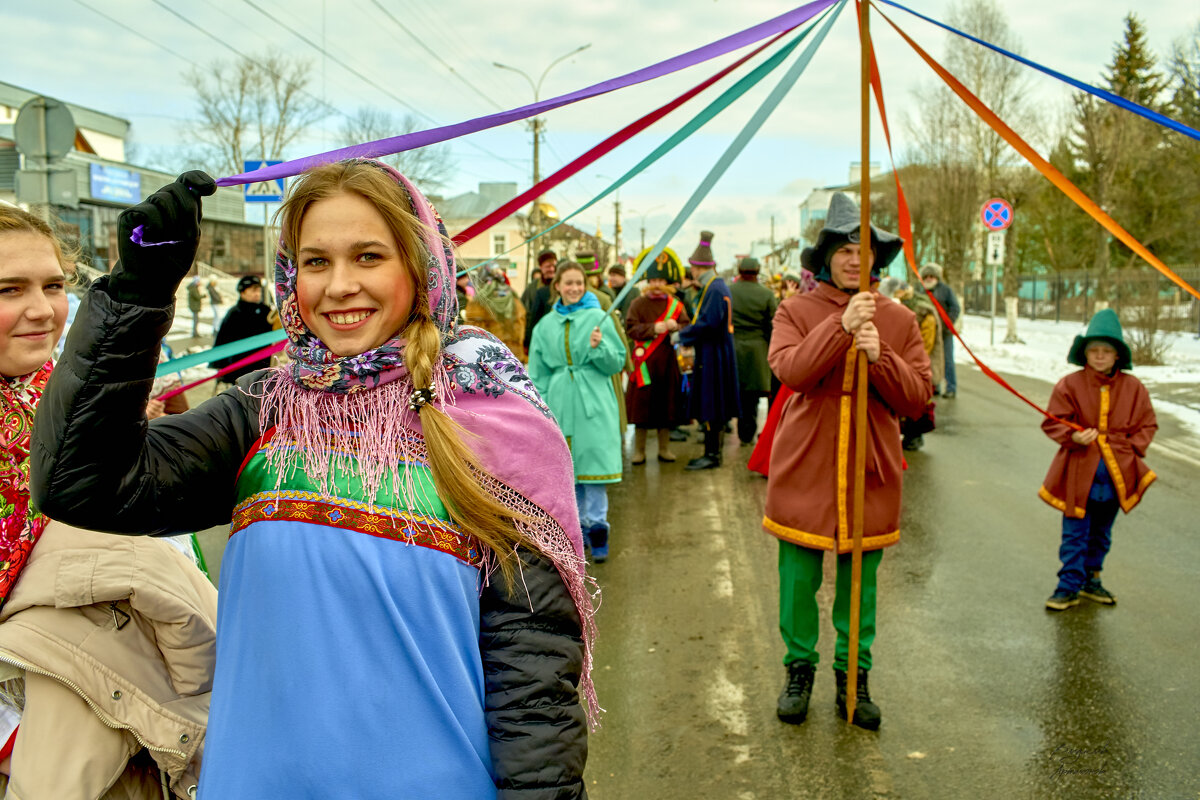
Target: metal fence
1142	297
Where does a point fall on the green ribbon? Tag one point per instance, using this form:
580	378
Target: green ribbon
224	351
726	99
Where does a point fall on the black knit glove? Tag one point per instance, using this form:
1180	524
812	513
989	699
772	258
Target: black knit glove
157	241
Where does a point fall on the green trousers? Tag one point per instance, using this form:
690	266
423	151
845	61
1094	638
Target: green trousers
799	617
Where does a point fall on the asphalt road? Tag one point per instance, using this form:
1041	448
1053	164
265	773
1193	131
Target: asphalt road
984	693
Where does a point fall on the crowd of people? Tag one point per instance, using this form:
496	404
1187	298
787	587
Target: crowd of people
418	489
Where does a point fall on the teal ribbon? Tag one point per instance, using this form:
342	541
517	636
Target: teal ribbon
224	351
726	99
735	148
722	102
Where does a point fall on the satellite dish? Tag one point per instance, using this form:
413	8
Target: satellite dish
45	129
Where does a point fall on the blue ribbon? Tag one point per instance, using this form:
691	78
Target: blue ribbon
1103	94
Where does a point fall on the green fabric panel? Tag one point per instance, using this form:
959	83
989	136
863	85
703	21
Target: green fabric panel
800	573
258	477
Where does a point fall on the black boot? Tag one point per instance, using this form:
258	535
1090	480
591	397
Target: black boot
793	700
866	713
712	449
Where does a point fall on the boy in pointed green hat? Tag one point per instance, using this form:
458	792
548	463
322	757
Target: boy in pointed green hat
1098	470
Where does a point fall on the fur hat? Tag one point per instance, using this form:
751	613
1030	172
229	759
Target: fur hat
841	227
932	269
748	265
702	256
1105	326
667	267
890	285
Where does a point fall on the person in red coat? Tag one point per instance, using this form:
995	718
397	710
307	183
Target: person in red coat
814	347
654	399
1099	470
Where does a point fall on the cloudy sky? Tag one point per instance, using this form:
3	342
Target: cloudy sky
132	65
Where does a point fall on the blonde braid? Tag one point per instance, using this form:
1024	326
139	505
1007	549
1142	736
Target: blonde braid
453	463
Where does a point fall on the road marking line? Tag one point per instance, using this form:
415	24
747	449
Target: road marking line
724	579
1172	451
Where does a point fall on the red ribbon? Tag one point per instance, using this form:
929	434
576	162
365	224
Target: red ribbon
266	352
602	149
910	253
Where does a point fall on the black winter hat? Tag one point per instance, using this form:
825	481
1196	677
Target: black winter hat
246	281
842	224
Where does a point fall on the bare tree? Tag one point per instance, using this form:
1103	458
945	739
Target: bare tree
430	168
966	161
252	108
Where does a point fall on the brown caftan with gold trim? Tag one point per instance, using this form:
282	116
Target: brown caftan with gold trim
1118	406
810	487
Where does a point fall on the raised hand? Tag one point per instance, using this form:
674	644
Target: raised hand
157	241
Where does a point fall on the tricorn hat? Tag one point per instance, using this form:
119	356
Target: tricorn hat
702	256
667	266
842	224
1105	326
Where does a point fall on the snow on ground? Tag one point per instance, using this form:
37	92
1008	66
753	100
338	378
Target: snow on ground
1174	388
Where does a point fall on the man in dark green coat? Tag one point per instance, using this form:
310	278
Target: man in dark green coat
753	311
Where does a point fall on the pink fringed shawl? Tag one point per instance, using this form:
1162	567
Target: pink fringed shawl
319	404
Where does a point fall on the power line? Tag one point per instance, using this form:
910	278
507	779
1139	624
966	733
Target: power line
436	30
435	55
261	65
125	26
358	74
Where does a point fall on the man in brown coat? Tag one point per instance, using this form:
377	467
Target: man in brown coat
814	347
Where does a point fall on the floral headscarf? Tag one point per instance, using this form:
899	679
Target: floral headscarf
20	524
318	404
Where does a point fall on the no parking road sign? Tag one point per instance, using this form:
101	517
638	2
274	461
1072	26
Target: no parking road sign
996	214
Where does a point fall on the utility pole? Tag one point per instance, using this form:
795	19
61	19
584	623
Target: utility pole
536	124
617	232
537	138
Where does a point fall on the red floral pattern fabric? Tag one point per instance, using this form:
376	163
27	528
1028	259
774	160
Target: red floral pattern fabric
20	524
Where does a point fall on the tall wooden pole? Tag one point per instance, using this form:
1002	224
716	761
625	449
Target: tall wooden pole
860	386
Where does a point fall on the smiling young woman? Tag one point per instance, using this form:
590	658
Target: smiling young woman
33	297
403	518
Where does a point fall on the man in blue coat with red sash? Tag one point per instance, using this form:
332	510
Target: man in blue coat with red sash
714	382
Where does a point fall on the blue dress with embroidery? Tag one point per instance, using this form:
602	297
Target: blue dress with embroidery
369	613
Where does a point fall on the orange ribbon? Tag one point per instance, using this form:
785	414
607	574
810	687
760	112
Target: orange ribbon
905	217
1043	166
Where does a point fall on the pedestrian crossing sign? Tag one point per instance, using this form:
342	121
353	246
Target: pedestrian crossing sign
263	191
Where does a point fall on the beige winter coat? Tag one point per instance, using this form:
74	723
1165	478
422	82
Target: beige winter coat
115	637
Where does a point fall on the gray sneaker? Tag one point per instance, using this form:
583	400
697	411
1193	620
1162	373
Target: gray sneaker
1061	601
1093	590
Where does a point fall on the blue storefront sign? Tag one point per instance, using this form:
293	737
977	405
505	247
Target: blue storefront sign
115	184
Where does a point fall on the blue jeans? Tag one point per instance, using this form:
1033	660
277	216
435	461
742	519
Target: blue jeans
1085	542
592	499
948	346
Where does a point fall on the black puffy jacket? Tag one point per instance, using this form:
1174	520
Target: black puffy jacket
98	464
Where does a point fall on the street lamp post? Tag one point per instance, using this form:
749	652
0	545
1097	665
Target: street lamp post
643	216
536	123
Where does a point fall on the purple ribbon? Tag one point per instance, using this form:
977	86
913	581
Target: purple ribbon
137	236
411	141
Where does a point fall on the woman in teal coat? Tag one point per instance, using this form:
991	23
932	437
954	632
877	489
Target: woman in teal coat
574	352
